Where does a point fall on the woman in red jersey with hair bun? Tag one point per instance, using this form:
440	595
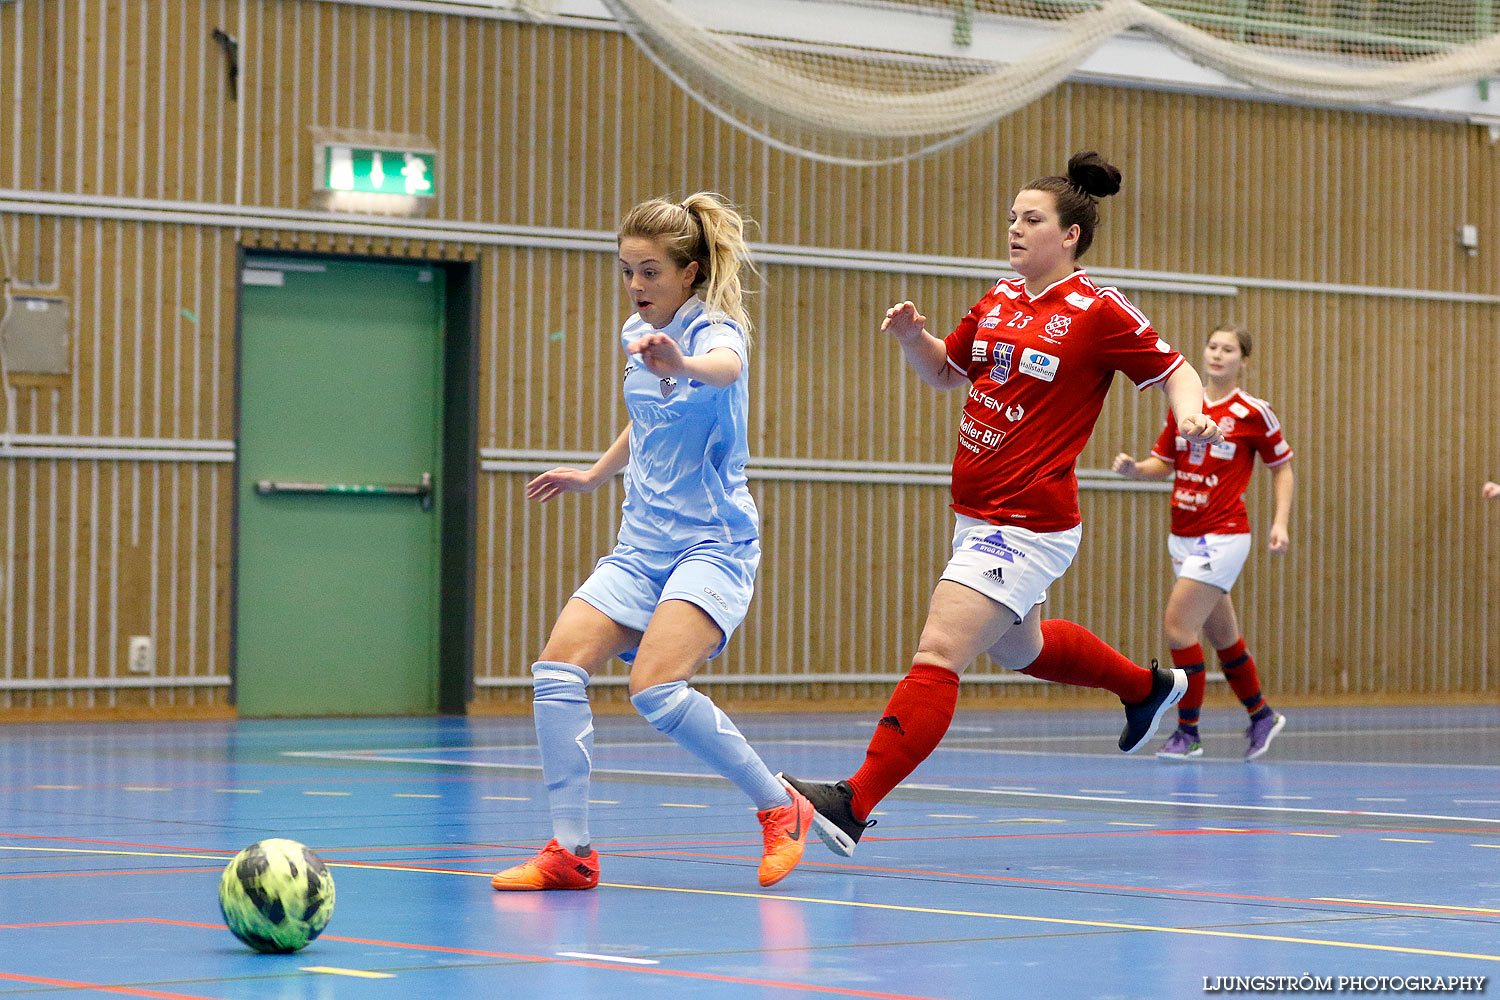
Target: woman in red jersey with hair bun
1210	537
1037	356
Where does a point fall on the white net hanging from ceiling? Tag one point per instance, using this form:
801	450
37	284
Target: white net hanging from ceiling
833	95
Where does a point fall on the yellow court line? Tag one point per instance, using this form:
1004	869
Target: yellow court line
1484	845
359	973
683	805
1106	924
123	854
506	798
327	793
895	907
1404	840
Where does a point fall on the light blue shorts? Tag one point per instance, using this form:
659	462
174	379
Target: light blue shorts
718	577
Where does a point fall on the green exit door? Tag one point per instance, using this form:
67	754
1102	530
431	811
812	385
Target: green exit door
339	490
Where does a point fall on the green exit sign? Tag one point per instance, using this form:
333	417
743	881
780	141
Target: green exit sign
378	171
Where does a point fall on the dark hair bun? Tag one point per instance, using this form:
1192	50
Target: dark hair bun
1093	174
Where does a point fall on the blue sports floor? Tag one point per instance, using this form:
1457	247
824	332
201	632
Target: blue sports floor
1027	858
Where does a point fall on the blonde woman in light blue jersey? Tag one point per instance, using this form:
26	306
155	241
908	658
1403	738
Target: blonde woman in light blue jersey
680	579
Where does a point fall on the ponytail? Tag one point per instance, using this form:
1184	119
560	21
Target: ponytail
705	229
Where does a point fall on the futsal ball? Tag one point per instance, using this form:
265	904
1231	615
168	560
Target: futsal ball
276	896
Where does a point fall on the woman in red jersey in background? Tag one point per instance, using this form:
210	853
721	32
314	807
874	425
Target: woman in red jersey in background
1210	537
1037	355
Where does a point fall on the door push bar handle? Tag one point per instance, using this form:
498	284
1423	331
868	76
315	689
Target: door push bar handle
422	490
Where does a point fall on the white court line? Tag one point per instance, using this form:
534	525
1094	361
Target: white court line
607	958
1088	795
1302	810
385	755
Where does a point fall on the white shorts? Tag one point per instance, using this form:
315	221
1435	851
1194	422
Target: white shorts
1212	559
1009	565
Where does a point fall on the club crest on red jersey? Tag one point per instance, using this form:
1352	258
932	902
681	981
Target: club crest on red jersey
1003	355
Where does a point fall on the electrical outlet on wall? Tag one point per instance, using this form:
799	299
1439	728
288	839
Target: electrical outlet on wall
142	658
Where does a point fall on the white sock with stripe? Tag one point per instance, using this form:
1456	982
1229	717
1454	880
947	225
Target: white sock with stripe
698	726
565	736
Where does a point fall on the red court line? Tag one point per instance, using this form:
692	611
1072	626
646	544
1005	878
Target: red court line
1146	890
73	923
582	963
144	871
1149	890
706	976
129	991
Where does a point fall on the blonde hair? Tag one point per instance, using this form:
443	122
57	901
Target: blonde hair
705	229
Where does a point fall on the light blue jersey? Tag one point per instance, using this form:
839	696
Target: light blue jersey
685	483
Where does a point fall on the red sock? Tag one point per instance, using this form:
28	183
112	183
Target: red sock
1239	671
1189	659
1071	654
911	727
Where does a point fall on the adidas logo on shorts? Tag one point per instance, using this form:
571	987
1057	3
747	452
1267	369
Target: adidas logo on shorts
994	575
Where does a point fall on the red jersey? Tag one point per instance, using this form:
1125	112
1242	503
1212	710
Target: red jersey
1040	369
1208	497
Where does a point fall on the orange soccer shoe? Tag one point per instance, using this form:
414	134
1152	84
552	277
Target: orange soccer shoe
786	830
554	868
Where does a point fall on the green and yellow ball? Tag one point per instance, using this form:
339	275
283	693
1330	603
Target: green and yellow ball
276	896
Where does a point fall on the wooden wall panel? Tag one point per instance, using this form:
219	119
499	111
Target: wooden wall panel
102	551
153	310
1390	401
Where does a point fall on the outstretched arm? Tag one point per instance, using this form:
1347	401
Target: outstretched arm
662	358
926	355
1491	491
1149	467
567	480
